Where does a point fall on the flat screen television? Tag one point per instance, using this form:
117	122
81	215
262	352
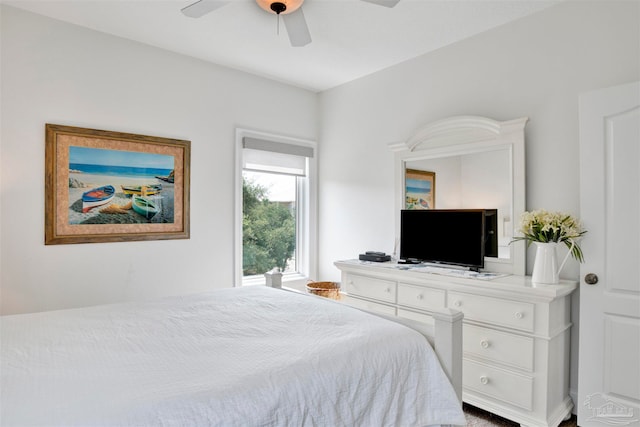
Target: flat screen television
453	237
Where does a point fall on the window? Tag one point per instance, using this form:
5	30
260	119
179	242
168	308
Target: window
275	205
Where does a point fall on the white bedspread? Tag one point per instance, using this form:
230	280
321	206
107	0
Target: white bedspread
236	357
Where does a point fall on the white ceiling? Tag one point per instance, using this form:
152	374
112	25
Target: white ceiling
351	38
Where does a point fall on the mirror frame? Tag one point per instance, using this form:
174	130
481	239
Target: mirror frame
463	135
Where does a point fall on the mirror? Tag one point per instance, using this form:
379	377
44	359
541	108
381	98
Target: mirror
478	164
479	180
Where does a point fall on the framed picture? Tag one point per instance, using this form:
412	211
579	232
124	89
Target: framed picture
103	186
420	189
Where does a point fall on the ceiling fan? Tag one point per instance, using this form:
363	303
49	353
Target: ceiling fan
290	10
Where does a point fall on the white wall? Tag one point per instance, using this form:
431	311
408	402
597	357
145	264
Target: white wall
53	72
534	67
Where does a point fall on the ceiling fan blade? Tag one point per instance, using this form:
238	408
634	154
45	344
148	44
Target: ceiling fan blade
297	28
202	7
386	3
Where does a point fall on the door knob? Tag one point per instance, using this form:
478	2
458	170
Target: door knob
591	279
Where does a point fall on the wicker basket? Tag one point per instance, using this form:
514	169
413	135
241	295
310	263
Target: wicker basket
324	289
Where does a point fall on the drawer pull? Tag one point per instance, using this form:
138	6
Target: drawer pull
484	344
388	290
457	303
420	297
484	380
519	315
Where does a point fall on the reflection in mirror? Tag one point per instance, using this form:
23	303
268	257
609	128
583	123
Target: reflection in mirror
478	164
480	180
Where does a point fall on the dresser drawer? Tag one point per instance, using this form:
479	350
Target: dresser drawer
510	387
498	311
383	290
421	297
498	347
368	305
418	317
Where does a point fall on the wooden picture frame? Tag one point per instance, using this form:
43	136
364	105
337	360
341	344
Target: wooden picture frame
104	186
419	189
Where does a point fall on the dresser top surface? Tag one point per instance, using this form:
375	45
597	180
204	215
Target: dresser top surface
486	281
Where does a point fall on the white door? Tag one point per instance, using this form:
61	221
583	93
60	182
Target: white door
609	356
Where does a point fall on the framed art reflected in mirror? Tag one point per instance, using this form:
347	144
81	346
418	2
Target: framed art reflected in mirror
420	189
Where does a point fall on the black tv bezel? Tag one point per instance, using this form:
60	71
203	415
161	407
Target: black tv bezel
473	267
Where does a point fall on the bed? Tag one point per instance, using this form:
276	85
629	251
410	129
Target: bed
232	357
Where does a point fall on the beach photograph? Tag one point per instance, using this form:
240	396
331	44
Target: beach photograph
120	187
419	189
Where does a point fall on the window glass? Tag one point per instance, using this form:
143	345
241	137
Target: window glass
269	223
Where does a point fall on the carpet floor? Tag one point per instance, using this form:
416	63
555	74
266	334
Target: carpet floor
478	418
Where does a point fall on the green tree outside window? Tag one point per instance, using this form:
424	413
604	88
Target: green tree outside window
268	231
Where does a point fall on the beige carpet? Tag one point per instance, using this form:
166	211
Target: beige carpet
478	418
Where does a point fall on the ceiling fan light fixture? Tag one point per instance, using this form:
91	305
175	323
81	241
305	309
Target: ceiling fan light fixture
280	6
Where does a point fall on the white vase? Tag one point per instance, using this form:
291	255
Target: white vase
545	266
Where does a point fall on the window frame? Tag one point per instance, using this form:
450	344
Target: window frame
306	215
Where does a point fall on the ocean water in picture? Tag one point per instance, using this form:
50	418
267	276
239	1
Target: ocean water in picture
120	187
418	185
130	171
121	163
418	190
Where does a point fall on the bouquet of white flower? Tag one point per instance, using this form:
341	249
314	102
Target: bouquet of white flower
543	226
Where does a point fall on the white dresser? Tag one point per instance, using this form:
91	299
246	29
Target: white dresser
515	334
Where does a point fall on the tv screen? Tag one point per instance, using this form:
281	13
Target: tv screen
455	237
